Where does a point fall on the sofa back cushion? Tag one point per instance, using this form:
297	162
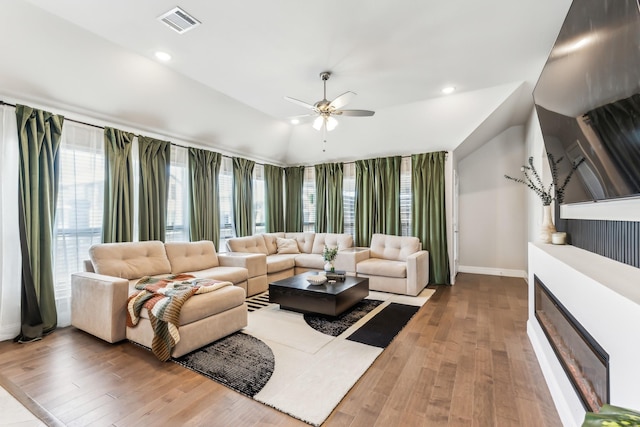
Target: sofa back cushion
331	240
287	246
252	244
271	242
396	248
305	241
130	260
191	256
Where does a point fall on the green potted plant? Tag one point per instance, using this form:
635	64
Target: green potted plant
329	255
612	416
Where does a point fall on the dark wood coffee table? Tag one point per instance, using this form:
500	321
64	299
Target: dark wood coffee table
297	294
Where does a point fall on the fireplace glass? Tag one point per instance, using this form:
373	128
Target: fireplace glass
583	359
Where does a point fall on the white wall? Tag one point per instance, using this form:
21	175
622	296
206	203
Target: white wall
492	209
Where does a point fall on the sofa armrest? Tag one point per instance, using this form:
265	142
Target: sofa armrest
254	262
417	272
347	258
99	305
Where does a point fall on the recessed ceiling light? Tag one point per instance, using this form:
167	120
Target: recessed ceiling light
163	56
449	89
295	121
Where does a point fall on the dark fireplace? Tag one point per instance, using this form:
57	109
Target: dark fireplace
583	359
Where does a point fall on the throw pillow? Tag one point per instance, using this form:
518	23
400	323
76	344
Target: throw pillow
287	246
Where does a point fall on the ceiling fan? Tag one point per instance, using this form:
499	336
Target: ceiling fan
325	110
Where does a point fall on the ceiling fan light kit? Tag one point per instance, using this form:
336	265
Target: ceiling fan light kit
325	110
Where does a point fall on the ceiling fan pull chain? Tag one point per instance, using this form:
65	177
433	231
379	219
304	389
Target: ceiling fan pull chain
324	137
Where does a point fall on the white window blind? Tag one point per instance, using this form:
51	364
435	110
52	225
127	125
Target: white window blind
225	191
177	200
405	196
79	207
309	198
258	198
349	197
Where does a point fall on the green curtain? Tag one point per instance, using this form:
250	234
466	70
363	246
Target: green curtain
329	198
428	214
294	181
274	199
154	177
39	135
365	202
387	190
321	199
243	196
377	203
117	222
204	212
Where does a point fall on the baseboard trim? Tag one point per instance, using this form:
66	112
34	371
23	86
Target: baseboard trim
492	271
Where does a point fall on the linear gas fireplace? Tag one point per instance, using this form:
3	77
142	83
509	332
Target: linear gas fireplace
583	359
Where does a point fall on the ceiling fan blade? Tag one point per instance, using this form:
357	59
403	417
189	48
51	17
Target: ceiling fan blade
342	100
300	103
359	113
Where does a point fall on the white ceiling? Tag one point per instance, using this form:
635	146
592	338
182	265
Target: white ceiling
224	87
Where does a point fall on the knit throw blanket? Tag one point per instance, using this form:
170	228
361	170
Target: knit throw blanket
164	298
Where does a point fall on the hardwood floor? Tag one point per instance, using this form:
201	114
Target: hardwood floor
464	360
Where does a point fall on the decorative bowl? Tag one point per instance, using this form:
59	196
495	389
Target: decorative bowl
316	279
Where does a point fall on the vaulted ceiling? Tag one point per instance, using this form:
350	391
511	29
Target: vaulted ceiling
225	84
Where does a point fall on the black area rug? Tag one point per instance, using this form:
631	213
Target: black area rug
334	326
238	361
384	326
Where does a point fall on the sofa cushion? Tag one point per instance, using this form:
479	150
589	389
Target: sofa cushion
204	305
232	274
270	242
314	261
191	256
305	241
287	246
130	260
331	240
253	244
396	248
276	263
382	267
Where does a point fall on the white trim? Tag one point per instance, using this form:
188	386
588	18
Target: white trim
490	271
541	349
612	210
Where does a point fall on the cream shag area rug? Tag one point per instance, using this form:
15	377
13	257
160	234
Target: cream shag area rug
312	371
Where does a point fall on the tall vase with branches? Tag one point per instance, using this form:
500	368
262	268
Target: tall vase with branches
547	194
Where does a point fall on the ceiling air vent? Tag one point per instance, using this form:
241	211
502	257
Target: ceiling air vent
179	20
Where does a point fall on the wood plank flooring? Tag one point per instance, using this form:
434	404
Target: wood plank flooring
463	360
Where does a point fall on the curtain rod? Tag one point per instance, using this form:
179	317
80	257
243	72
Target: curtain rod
178	145
102	127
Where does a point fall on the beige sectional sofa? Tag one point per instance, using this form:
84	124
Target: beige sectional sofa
99	296
284	259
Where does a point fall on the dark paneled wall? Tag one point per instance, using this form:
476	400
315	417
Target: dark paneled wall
618	240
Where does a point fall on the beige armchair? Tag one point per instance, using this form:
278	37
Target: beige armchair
395	264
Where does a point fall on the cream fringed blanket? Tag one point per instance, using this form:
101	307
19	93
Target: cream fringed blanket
164	298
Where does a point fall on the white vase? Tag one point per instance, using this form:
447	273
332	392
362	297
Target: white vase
328	266
547	228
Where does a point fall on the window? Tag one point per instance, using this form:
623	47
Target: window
309	199
225	189
79	207
258	198
405	196
177	200
349	197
